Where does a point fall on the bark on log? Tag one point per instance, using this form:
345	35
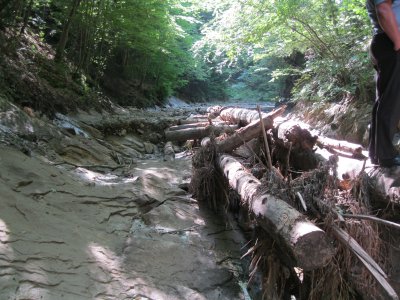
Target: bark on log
383	183
241	115
192	120
301	137
201	124
293	146
214	111
328	143
248	132
190	125
296	133
196	133
307	244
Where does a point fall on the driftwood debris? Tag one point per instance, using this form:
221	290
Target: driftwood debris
240	115
296	134
344	146
264	133
248	132
301	136
374	219
375	270
297	151
195	133
308	244
191	120
187	126
218	125
292	135
293	146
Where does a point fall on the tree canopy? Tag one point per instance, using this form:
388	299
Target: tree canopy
205	50
321	45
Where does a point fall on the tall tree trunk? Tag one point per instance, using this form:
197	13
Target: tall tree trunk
27	13
144	73
64	36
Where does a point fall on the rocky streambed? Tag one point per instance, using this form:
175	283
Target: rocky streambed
90	210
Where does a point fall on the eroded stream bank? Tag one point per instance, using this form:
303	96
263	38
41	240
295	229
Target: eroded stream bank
92	212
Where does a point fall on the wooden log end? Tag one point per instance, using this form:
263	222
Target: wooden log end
306	239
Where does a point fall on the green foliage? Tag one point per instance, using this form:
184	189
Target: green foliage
208	49
145	43
332	35
258	81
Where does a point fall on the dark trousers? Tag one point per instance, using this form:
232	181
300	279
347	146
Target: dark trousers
386	110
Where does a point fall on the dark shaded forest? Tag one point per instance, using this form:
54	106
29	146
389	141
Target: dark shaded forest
139	53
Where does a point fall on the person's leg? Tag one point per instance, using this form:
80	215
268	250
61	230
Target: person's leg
372	135
386	111
388	115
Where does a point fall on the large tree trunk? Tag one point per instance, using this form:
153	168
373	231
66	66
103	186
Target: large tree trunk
331	144
240	115
195	133
191	120
248	132
199	125
306	244
64	35
293	146
296	134
27	14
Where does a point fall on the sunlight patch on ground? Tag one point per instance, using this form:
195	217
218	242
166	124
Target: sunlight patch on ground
102	179
167	174
111	276
5	249
140	229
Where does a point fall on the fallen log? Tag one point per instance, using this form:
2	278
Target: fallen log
307	244
201	124
328	143
214	111
301	137
203	119
240	115
293	145
196	132
248	132
190	125
296	133
383	184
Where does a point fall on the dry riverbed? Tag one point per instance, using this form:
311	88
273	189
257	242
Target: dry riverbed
90	210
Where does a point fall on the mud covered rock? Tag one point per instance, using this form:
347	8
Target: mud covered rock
75	233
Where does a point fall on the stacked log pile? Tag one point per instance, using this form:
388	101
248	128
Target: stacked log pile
307	198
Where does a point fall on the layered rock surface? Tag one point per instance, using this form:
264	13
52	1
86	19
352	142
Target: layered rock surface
84	216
